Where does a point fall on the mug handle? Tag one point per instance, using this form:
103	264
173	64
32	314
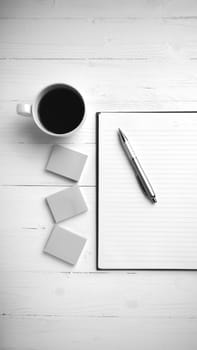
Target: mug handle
24	109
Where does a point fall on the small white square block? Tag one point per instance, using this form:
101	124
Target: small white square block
64	245
66	162
67	203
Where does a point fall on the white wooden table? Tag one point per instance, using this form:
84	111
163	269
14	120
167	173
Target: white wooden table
121	55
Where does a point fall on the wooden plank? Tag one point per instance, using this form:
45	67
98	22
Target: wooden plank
109	84
25	165
26	224
89	8
99	39
38	333
99	295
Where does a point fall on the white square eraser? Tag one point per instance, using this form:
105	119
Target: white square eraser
66	203
64	245
66	162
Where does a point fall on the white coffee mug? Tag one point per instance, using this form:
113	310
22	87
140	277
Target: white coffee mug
71	94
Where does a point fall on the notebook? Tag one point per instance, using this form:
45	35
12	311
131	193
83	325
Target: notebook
133	233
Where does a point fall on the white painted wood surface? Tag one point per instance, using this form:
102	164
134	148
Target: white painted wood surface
122	55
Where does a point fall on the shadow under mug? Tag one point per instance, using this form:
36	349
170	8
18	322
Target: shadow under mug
33	110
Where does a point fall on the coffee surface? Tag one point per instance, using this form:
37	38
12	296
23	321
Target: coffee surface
61	110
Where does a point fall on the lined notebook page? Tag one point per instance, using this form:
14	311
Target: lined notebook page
133	233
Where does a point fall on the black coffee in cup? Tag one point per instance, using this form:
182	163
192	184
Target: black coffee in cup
61	109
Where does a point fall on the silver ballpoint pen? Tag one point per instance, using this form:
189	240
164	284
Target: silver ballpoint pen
139	172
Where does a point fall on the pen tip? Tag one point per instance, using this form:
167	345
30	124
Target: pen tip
122	135
154	199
